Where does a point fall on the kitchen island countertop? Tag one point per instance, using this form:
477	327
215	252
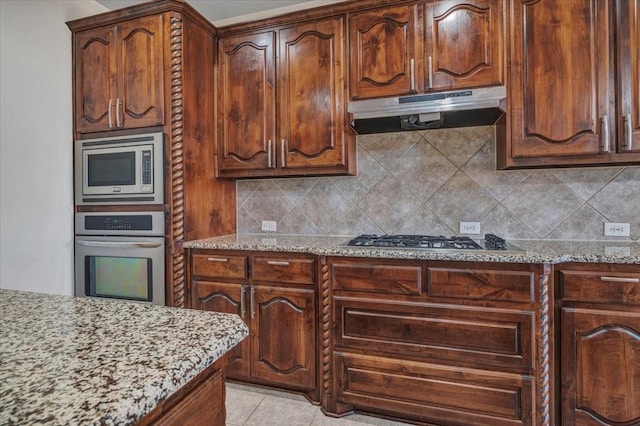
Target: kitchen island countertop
532	251
82	361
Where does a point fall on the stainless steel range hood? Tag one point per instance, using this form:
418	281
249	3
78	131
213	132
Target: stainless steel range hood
463	108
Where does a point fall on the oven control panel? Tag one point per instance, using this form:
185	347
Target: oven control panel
120	223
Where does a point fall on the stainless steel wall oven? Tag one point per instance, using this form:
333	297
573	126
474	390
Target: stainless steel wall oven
120	255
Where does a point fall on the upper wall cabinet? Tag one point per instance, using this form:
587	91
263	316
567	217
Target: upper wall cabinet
290	122
563	107
413	48
119	75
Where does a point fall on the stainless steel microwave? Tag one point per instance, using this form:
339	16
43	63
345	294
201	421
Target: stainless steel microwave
120	170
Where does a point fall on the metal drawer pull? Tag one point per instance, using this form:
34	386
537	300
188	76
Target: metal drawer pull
277	263
412	69
110	121
628	133
118	122
620	279
253	312
217	259
604	143
242	307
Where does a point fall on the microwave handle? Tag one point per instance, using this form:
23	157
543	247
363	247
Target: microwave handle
138	244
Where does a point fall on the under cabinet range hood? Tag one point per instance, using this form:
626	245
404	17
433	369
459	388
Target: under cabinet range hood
463	108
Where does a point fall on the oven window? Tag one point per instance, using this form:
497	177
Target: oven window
111	169
119	277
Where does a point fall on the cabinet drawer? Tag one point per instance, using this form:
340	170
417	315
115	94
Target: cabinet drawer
468	336
219	265
481	284
603	287
382	278
283	270
432	393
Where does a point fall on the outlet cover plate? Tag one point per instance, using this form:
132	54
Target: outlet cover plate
470	228
269	225
617	230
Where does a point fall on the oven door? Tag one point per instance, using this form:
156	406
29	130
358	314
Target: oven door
121	268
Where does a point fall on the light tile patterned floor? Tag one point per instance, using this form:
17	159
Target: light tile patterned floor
253	406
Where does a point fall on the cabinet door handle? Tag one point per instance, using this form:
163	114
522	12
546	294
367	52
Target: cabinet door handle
604	141
282	154
217	259
251	302
430	72
269	154
620	279
412	70
110	120
118	121
628	133
243	311
277	262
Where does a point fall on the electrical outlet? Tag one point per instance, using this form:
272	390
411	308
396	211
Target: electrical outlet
269	225
470	228
616	230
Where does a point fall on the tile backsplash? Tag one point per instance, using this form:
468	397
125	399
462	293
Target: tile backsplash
426	182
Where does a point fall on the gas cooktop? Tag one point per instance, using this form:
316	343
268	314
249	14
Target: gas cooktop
491	242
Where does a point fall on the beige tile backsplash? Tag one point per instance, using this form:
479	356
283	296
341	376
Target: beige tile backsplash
427	182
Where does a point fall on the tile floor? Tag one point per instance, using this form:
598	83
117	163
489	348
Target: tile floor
253	406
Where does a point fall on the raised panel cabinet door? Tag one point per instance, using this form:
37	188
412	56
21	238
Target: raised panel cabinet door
283	341
600	367
464	45
561	84
246	103
628	24
312	96
140	101
95	79
384	57
230	299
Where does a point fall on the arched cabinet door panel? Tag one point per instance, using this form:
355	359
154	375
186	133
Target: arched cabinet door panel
600	367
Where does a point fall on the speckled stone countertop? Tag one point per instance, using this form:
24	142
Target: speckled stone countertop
530	251
81	361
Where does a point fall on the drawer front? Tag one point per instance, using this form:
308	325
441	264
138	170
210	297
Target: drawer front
601	287
432	393
481	284
283	270
438	333
219	265
377	278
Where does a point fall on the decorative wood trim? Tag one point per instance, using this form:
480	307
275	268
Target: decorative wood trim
177	160
326	332
544	353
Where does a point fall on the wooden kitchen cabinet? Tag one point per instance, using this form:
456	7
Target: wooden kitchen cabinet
291	119
432	46
600	344
440	342
119	76
276	296
563	107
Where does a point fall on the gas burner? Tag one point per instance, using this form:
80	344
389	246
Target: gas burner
491	242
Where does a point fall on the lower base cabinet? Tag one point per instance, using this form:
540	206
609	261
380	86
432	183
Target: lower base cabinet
276	296
441	343
600	344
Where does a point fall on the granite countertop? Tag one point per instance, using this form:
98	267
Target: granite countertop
82	361
531	251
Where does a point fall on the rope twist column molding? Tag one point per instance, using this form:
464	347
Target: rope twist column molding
177	159
544	353
326	331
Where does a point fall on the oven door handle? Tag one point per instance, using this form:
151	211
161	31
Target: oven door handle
138	244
